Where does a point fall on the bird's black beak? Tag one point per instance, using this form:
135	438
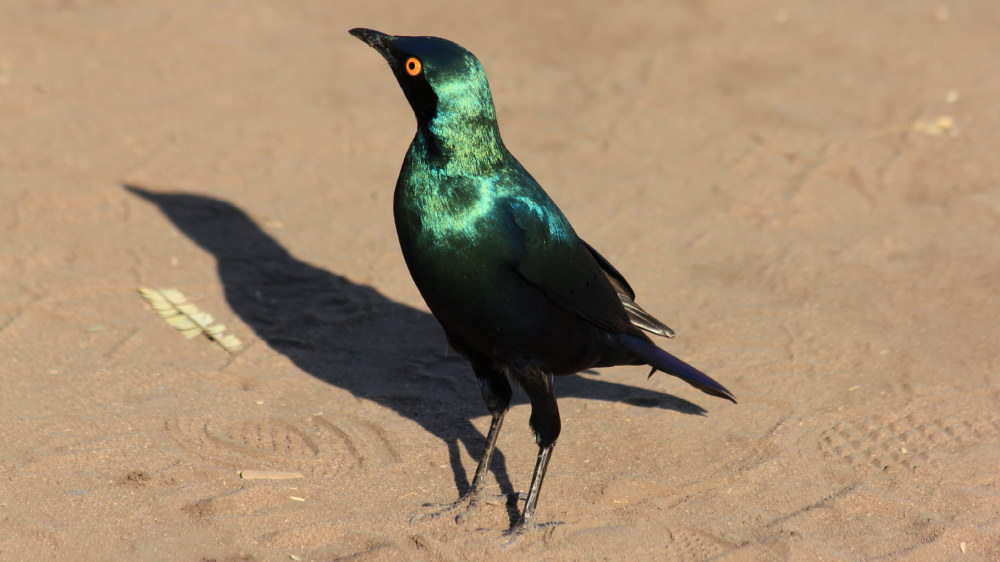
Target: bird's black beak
375	39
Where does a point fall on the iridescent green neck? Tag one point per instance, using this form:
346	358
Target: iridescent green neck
464	129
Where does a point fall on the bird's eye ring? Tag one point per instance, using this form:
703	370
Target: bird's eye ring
412	66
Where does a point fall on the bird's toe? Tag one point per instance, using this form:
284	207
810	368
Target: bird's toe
470	502
443	510
523	528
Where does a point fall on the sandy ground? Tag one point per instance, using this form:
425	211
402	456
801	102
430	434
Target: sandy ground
807	192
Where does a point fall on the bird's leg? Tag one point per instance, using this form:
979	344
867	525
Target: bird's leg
497	394
545	422
471	496
525	521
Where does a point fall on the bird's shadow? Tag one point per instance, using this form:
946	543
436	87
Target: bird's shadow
353	337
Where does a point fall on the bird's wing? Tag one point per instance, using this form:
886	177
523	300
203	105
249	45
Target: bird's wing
617	279
639	317
550	257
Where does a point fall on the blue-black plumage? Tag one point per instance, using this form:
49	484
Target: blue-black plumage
518	293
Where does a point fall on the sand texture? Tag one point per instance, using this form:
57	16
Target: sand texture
808	192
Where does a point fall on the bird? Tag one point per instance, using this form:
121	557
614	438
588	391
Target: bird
518	293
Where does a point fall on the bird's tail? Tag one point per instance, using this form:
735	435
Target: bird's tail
662	361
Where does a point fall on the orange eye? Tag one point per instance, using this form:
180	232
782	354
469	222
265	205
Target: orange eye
413	66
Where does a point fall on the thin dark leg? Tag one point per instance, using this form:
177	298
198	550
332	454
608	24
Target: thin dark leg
471	496
545	422
541	465
497	394
484	466
487	456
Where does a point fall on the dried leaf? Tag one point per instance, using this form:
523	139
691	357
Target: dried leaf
185	317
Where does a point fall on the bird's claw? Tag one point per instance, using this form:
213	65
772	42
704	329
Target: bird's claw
470	501
435	514
522	528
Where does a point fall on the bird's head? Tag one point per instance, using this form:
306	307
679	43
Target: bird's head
444	83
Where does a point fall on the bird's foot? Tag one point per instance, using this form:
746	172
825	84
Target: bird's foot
470	501
448	508
522	528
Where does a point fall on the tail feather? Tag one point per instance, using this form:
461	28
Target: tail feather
660	360
644	320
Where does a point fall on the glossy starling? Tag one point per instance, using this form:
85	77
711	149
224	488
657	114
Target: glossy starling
518	293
